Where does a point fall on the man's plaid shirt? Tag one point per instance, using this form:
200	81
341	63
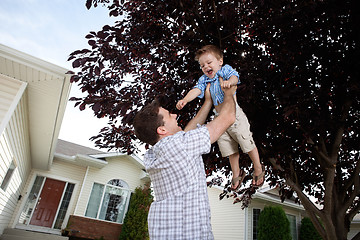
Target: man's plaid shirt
176	169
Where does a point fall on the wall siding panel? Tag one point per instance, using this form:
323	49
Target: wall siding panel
14	145
117	168
227	219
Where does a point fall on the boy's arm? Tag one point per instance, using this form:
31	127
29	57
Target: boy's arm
226	116
201	116
191	95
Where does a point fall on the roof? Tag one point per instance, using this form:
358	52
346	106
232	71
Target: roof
45	87
85	156
71	149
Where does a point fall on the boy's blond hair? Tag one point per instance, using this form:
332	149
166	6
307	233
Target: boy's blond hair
209	49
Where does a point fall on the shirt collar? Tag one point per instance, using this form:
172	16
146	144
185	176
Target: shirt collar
210	80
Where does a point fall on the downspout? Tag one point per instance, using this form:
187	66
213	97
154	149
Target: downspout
246	223
81	190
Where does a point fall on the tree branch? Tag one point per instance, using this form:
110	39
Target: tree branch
339	133
354	193
321	151
276	165
311	209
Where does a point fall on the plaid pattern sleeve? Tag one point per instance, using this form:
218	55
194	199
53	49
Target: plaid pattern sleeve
181	209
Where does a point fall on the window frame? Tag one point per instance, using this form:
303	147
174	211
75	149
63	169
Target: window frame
104	188
252	222
293	232
9	173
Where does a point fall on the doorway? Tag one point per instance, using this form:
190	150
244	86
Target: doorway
47	203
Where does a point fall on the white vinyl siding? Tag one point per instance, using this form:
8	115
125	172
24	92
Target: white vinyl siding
117	168
47	89
14	146
11	92
227	219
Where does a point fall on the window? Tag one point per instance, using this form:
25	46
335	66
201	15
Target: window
64	205
31	200
293	229
256	214
8	175
110	201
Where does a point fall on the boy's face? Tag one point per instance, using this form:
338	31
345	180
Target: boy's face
210	64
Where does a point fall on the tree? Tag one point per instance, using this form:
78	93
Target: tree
273	224
135	222
308	231
298	62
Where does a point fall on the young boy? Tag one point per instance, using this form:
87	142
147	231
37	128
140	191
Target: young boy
210	59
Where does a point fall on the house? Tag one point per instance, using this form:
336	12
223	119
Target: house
229	221
104	183
47	184
33	96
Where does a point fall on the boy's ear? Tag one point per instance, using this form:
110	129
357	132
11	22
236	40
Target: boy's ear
161	130
221	61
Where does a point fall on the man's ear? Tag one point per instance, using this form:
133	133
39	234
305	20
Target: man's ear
161	130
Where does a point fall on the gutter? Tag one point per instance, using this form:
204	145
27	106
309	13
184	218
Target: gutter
82	160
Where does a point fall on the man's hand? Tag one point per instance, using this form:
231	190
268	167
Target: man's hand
232	81
226	86
207	92
180	104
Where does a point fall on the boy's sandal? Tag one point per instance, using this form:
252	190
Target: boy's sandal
239	179
261	175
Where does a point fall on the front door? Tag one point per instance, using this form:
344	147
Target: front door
48	203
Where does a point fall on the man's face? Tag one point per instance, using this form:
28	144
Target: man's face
210	64
170	122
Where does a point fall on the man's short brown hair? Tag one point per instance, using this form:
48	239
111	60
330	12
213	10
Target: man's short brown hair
146	122
209	49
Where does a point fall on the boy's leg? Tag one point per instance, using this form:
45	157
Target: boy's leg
254	156
234	163
229	148
240	132
235	168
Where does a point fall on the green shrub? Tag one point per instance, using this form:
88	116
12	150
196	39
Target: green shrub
308	231
135	222
273	224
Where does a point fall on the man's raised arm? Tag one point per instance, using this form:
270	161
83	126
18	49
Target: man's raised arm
226	116
202	114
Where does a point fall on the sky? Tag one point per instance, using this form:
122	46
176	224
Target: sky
51	30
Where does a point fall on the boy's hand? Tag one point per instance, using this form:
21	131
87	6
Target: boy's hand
180	104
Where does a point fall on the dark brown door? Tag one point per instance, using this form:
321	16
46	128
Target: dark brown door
48	203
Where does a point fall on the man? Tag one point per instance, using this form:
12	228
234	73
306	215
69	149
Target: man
181	209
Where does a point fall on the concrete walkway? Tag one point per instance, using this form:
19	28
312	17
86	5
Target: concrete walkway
19	234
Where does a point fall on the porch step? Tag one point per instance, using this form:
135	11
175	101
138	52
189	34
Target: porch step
19	234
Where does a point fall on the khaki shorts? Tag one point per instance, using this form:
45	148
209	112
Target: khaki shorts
237	134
